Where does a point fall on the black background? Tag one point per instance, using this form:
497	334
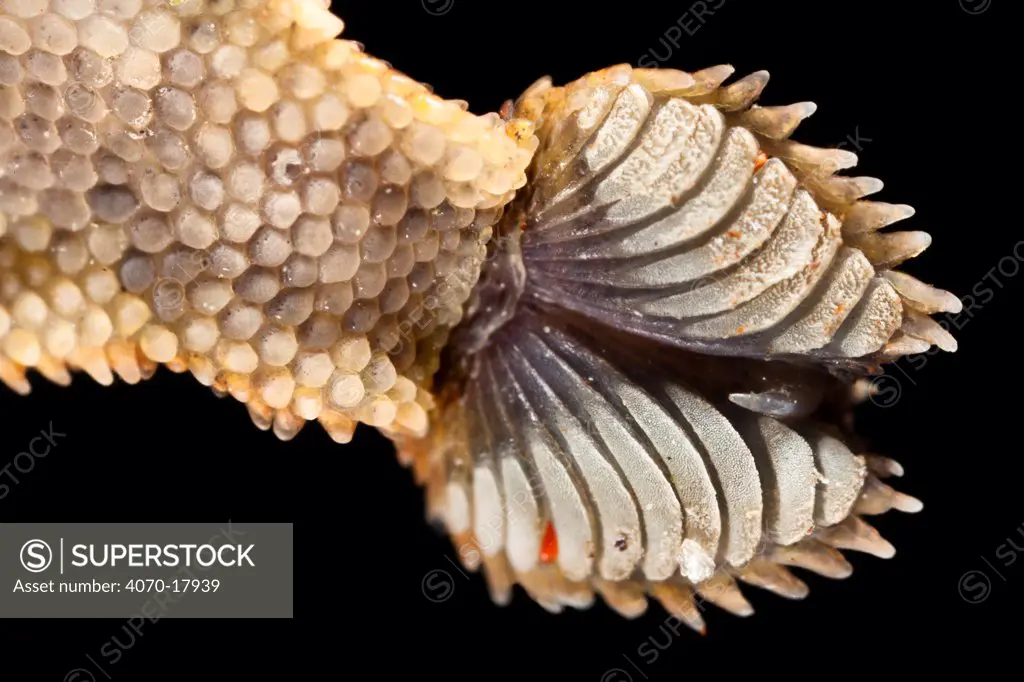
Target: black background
922	86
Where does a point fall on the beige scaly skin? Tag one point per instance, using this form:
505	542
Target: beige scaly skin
226	188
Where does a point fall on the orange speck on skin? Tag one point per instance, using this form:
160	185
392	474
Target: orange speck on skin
518	129
740	329
760	160
549	545
734	234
